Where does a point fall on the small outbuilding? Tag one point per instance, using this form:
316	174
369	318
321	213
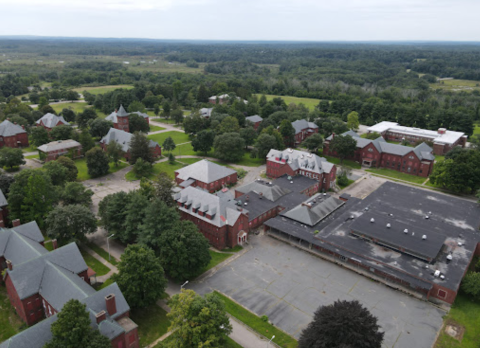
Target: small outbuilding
53	150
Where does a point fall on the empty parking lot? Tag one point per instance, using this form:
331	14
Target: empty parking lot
288	285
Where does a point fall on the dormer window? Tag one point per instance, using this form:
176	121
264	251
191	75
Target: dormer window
370	150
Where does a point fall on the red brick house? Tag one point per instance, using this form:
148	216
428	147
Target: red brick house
303	129
218	217
255	119
49	121
120	118
443	140
124	138
12	135
53	150
206	175
293	162
40	282
380	154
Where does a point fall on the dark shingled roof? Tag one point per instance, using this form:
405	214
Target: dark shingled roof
7	129
314	209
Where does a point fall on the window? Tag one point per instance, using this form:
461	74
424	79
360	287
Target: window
370	150
442	294
411	157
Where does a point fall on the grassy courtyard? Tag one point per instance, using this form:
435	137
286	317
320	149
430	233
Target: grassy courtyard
103	253
393	174
217	258
464	313
152	323
83	170
257	324
347	163
310	103
156	128
98	267
10	322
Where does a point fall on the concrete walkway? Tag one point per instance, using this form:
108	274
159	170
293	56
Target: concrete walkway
113	269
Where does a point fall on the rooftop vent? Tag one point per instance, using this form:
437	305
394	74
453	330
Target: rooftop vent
324	194
427	217
460	244
405	230
442	277
270	183
429	213
245	203
366	209
352	217
437	273
388	225
372	220
449	257
390	214
424	237
291	182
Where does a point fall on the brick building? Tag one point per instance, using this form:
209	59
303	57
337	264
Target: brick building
12	135
53	150
255	119
218	216
206	175
380	154
422	244
293	162
49	121
206	112
443	140
39	283
120	118
303	129
124	138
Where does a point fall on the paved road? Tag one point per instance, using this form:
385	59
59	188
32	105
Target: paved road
288	285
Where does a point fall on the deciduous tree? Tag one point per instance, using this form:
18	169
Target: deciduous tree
229	147
70	223
264	144
115	152
62	132
57	172
352	120
11	157
344	146
99	127
288	132
97	162
169	145
139	148
137	123
76	193
249	134
140	276
313	142
203	142
69	164
39	136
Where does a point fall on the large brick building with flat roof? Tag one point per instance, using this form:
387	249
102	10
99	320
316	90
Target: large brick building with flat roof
379	153
443	140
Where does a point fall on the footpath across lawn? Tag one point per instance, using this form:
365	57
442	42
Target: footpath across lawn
99	268
257	324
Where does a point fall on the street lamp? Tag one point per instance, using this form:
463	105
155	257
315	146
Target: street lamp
181	286
108	245
268	344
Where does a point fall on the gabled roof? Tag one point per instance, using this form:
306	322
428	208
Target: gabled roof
120	112
301	160
204	171
50	120
21	243
223	211
59	145
266	189
254	118
314	210
206	112
123	138
8	129
300	125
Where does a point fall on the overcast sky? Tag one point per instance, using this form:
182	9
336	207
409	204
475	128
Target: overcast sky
314	20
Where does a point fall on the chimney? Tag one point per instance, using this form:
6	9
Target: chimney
2	223
101	316
111	304
442	130
23	127
9	264
247	198
54	244
16	222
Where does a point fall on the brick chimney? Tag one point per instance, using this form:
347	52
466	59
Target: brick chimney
101	316
111	304
9	264
16	222
54	244
2	223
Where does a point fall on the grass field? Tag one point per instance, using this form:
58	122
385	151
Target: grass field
101	89
178	137
10	322
457	85
476	129
308	102
31	148
83	170
103	253
32	156
99	268
397	175
155	128
257	324
464	312
217	258
229	343
76	107
349	183
158	168
347	163
152	323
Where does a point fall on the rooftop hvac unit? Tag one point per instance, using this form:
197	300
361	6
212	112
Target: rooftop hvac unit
405	230
372	220
436	274
424	237
427	217
245	203
442	277
291	182
449	257
388	225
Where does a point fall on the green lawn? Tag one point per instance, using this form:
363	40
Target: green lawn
439	158
347	163
158	168
108	282
48	245
102	89
189	160
397	175
152	323
257	324
10	322
235	249
98	267
228	344
103	253
465	313
349	183
83	170
178	137
308	102
457	85
217	258
31	148
76	107
476	129
155	128
32	156
164	120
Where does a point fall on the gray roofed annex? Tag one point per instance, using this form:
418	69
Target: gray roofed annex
204	171
8	129
123	138
300	125
50	120
254	118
